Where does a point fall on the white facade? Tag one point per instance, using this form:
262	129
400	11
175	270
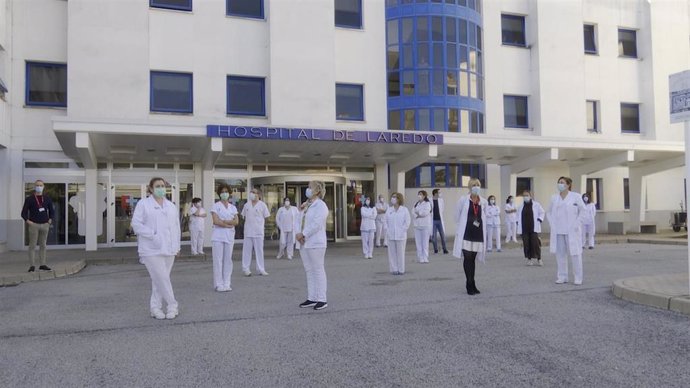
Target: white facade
302	55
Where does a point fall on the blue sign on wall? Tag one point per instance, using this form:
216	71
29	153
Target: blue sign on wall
309	134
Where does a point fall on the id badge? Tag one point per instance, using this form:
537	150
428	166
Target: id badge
41	209
476	223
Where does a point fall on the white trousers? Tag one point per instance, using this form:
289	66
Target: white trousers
588	231
381	233
197	237
287	244
396	255
493	232
421	240
222	263
159	268
255	244
368	243
313	261
562	260
511	231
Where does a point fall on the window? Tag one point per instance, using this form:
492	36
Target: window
246	96
592	116
180	5
513	30
627	43
523	183
626	193
171	92
349	102
444	175
46	84
515	111
348	13
590	39
595	189
630	118
245	8
394	120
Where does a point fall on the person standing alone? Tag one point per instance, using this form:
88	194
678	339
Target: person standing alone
197	216
38	213
254	213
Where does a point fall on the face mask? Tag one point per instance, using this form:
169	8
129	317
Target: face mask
252	196
367	202
287	203
159	192
198	205
420	197
493	202
510	200
527	199
475	190
394	201
585	199
224	196
439	195
562	187
381	199
39	189
309	192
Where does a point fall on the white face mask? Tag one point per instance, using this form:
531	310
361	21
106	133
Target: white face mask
224	196
475	190
367	202
439	195
39	189
510	200
527	199
309	193
420	197
252	196
198	205
394	201
585	199
287	204
562	187
381	199
493	201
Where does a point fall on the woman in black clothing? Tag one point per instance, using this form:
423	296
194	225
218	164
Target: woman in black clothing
470	236
530	216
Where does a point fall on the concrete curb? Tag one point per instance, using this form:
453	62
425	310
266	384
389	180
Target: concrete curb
627	289
59	271
135	260
666	241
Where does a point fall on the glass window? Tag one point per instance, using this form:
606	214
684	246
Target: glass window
408	59
451	30
439	82
513	30
182	5
630	118
515	111
436	28
423	55
464	121
473	34
407	30
438	55
246	96
424	120
409	117
627	43
595	189
439	120
391	3
440	175
451	56
171	92
349	102
425	175
473	86
393	57
423	83
473	59
394	120
451	83
479	37
453	120
411	178
464	85
523	184
464	61
422	29
592	116
348	13
474	122
392	28
46	84
393	84
408	83
590	39
245	8
626	193
480	88
462	31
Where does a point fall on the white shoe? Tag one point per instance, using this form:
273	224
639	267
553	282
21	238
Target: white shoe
263	273
577	283
247	273
172	314
540	263
559	281
158	314
529	262
289	257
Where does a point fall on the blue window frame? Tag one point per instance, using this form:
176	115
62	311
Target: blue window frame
348	13
245	8
46	84
246	96
444	175
349	102
171	92
180	5
515	113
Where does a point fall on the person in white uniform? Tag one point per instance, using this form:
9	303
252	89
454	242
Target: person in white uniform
470	235
197	215
398	220
493	225
588	222
254	213
422	215
156	223
312	240
381	223
511	220
225	219
565	215
368	227
286	219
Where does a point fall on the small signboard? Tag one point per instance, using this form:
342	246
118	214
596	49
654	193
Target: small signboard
679	93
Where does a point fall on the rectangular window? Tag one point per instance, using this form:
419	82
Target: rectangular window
425	175
515	111
439	120
246	96
513	30
592	116
171	92
180	5
595	189
245	8
393	84
393	57
409	117
394	120
590	39
46	84
349	102
453	120
392	31
424	119
522	184
408	83
627	43
626	193
422	29
630	118
440	175
348	13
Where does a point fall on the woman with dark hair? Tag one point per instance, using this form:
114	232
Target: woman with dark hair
530	216
493	225
225	219
422	226
156	223
398	219
565	216
511	220
287	219
588	221
368	227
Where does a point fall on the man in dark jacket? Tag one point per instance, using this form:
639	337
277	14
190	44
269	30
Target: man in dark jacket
38	213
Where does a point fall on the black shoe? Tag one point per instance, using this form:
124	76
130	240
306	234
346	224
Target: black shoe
476	291
44	268
435	251
445	251
470	292
32	268
307	303
591	247
320	305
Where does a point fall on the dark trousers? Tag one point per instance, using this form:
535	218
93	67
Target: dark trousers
531	244
468	265
438	226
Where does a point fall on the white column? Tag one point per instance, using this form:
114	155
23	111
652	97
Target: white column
508	183
638	197
92	215
381	180
208	197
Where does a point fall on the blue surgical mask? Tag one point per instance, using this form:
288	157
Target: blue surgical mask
309	192
224	196
252	196
527	199
39	189
475	190
159	192
562	187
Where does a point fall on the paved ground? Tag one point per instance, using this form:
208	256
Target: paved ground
419	329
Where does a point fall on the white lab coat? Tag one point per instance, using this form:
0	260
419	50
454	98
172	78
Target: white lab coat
572	221
196	219
461	214
368	218
590	214
537	211
398	222
493	216
423	217
157	228
254	218
283	218
510	217
314	230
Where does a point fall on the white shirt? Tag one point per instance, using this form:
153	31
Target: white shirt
510	217
398	223
590	214
422	214
560	212
222	234
314	225
254	218
368	218
157	228
381	206
196	221
286	218
493	215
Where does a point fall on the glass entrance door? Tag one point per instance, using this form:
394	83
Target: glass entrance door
125	199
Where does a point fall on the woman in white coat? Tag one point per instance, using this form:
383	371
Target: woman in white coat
588	222
493	224
287	220
312	239
422	226
225	219
157	226
511	220
565	217
368	227
530	216
470	235
398	219
381	225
